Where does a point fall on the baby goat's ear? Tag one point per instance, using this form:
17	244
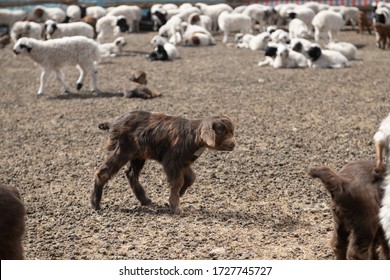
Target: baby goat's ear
207	133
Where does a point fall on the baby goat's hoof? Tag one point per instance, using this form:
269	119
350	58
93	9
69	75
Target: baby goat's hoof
79	86
146	202
175	210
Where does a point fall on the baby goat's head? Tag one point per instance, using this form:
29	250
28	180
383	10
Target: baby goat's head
23	45
217	133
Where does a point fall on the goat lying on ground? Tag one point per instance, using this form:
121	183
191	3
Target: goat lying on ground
12	223
356	194
175	142
136	87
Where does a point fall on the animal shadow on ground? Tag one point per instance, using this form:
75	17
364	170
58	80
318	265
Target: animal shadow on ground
87	95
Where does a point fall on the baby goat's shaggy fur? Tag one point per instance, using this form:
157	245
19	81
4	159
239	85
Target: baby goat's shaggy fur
175	142
12	225
356	194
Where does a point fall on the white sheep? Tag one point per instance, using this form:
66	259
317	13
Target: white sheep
112	49
201	20
297	29
96	11
327	23
41	14
303	13
172	29
260	14
55	30
160	44
213	11
253	42
233	22
350	14
132	14
326	58
26	29
75	13
53	55
280	36
288	58
9	17
347	49
109	26
382	146
195	35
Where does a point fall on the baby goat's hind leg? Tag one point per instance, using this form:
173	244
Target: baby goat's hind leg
114	161
132	174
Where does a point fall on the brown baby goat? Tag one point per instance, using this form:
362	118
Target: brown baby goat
12	225
175	142
356	195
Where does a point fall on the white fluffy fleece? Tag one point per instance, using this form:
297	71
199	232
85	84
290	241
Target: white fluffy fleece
53	55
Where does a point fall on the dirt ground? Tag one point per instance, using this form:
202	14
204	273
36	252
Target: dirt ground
256	202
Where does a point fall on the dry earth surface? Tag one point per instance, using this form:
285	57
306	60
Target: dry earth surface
256	202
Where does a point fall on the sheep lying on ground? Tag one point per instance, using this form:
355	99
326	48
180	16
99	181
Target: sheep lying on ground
288	58
174	142
382	32
326	58
137	87
347	49
26	29
253	42
356	194
300	45
196	35
269	55
163	50
112	49
232	22
327	24
280	36
55	30
12	223
54	54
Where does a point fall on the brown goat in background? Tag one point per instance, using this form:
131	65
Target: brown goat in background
382	33
12	224
174	142
356	195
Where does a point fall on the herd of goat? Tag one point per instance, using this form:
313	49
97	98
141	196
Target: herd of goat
79	36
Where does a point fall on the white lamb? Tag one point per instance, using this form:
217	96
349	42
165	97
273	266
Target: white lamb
53	55
382	147
327	24
73	13
195	35
253	42
326	58
347	49
303	13
55	30
9	17
232	22
213	11
112	49
288	58
109	26
172	29
297	29
26	29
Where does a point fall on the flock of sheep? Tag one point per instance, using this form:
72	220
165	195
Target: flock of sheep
79	36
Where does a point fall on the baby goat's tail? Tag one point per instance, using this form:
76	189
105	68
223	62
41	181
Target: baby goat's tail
104	126
333	182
